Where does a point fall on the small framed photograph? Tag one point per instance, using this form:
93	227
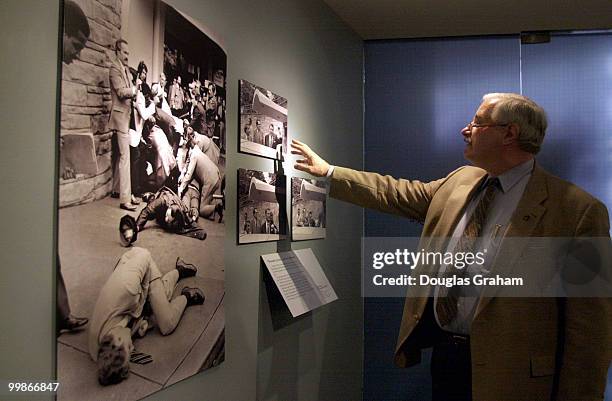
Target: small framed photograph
263	122
261	206
308	209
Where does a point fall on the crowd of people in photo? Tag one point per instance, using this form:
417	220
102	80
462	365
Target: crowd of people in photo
254	132
175	144
260	225
305	218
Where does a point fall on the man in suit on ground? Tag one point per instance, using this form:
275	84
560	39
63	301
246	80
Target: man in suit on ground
494	348
134	281
122	93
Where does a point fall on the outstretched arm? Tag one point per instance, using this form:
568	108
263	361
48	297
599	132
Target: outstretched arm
148	213
384	193
187	175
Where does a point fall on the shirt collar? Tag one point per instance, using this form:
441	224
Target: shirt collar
511	177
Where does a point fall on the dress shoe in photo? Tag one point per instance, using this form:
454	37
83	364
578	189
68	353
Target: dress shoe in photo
72	323
128	206
219	211
185	269
195	296
135	200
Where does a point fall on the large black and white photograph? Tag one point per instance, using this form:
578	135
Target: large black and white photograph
263	122
140	258
308	209
262	212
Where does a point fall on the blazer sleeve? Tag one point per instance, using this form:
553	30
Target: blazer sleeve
118	84
587	332
187	174
143	111
148	213
383	193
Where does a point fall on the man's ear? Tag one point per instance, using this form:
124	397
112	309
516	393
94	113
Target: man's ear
512	134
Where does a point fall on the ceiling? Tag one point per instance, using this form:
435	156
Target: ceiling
393	19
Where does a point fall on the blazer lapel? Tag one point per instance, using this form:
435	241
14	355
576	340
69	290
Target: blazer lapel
455	206
524	220
126	75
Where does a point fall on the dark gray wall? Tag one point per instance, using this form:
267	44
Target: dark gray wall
298	49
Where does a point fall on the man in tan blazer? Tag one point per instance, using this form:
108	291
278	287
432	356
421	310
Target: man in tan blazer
122	94
499	348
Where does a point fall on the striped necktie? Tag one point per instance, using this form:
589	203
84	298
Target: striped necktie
446	306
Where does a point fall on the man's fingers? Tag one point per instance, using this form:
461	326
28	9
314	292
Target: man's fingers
300	145
300	167
297	152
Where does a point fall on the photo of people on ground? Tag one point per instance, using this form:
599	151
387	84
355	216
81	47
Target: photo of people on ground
140	265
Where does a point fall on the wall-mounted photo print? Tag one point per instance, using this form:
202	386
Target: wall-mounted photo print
308	209
261	206
263	122
140	260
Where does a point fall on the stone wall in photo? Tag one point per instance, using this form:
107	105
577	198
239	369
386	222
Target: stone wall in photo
85	108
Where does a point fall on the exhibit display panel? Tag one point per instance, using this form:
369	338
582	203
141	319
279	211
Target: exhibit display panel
141	196
276	44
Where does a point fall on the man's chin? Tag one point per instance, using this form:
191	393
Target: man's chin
467	153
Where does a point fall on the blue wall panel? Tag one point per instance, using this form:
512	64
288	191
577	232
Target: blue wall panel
571	77
418	96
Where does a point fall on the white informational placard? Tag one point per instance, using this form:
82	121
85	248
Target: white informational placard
300	280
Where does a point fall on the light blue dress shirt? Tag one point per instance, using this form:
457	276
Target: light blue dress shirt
513	183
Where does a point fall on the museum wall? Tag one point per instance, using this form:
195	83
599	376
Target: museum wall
297	49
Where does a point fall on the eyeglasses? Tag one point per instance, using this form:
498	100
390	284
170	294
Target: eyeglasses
474	125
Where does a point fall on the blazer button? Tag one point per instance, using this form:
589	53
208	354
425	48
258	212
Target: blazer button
416	317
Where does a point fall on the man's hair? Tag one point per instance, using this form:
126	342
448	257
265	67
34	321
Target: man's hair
119	42
75	20
113	362
520	110
142	67
178	222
